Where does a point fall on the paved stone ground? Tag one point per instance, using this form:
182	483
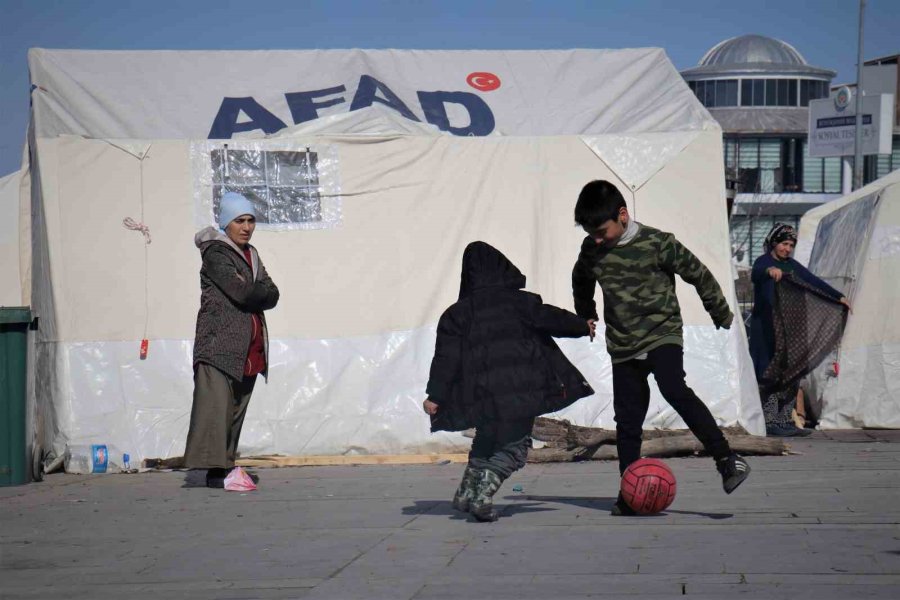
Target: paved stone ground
820	524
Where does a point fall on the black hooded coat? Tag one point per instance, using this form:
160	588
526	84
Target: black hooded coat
495	358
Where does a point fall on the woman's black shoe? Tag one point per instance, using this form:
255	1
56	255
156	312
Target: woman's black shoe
215	477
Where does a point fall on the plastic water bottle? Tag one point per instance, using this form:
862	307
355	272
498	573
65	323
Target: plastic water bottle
86	459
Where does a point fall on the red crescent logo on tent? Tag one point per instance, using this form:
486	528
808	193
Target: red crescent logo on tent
483	82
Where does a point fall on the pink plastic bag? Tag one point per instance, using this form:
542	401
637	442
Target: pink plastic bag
238	481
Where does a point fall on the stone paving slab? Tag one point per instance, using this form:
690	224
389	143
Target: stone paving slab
821	523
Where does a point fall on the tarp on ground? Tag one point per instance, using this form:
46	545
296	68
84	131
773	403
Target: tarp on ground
364	227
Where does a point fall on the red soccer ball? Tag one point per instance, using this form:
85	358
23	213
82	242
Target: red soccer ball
648	486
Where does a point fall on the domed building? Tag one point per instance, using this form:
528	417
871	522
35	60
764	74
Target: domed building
758	88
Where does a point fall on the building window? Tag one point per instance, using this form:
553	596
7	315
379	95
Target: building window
759	92
771	92
769	166
731	147
832	175
717	92
748	232
821	175
804	92
748	165
879	165
710	96
726	92
812	90
759	165
746	92
782	92
824	90
765	165
765	92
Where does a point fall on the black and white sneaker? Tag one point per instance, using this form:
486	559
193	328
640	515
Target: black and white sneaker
734	470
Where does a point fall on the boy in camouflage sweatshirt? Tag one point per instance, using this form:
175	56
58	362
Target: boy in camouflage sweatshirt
635	266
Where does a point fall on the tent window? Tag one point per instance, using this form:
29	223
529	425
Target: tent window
283	185
293	186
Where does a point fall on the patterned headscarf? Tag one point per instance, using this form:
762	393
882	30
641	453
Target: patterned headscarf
779	233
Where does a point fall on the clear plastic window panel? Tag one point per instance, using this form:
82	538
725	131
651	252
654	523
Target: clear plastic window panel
291	185
836	251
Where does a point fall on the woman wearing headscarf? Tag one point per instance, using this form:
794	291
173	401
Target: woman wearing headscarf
769	269
231	345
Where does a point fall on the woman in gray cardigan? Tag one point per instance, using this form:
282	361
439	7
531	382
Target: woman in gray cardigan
231	344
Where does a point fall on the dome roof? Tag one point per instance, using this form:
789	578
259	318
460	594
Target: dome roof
752	49
754	56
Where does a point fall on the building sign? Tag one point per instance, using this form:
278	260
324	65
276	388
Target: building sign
832	125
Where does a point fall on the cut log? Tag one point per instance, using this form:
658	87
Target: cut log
681	444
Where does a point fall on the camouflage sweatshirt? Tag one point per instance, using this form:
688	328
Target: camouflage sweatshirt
640	307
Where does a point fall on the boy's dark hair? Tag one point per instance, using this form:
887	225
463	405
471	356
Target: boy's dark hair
598	202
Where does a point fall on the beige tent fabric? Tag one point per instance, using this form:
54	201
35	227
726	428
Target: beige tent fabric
392	264
14	267
353	333
866	392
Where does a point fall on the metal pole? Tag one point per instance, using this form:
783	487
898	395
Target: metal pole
857	143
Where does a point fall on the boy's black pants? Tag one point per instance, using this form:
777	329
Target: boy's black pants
631	399
501	446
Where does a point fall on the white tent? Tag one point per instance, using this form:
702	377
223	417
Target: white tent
13	200
369	210
853	243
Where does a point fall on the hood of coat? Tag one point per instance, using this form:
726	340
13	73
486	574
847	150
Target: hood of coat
212	235
484	266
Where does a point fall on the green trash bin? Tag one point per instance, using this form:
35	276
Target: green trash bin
14	322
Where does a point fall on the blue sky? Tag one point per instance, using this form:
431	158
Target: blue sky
824	31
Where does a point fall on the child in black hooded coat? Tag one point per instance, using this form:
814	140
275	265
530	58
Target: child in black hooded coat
496	368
